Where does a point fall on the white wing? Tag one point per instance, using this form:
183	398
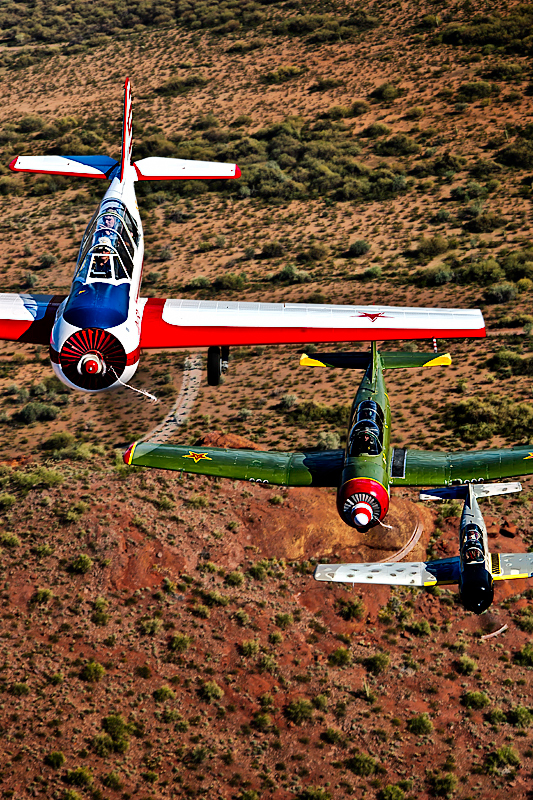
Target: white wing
406	573
182	323
155	168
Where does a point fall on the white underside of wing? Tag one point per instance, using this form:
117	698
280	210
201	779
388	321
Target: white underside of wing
23	307
55	164
296	315
407	573
514	565
155	167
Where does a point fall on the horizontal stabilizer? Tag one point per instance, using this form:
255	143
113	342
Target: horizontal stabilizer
480	490
388	360
76	166
163	169
322	468
403	573
506	566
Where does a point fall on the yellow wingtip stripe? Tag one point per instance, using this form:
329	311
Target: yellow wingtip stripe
441	361
510	577
130	457
305	361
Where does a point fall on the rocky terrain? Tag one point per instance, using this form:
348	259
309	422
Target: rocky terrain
162	635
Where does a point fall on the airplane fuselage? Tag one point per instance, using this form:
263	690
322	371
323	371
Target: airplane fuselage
476	584
363	494
95	340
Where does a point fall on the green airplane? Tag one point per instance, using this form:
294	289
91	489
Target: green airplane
365	470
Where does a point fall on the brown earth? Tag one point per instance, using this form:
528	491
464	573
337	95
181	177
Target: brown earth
226	565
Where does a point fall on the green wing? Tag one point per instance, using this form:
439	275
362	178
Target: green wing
281	469
431	468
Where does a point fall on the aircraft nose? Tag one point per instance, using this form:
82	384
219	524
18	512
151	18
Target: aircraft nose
91	364
362	514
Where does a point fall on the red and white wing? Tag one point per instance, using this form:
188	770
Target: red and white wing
165	169
195	323
28	317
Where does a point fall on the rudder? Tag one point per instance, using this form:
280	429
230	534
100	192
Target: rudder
127	130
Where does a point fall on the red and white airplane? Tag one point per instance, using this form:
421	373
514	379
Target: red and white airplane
96	332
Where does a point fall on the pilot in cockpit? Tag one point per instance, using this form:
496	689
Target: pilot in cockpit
473	545
101	266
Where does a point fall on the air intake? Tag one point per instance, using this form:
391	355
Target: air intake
92	359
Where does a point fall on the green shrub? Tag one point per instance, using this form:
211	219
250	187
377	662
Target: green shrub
284	621
377	663
391	792
375	129
118	731
495	716
362	765
179	643
310	793
81	776
112	781
55	759
398	145
92	672
442	785
10	540
520	717
475	700
500	293
163	694
524	657
350	609
420	725
179	86
474	90
282	75
235	578
466	665
19	689
498	761
386	92
299	711
340	657
81	565
58	441
249	648
358	248
289	274
211	691
420	627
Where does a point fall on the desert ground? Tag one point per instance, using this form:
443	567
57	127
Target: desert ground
162	635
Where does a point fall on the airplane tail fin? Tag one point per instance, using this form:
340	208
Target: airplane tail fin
399	360
127	130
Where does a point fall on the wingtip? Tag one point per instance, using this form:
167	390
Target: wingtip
12	164
128	455
237	171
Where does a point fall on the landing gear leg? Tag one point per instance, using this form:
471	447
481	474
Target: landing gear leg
214	366
224	352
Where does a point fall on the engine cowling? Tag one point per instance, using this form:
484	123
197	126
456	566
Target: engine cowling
91	359
362	502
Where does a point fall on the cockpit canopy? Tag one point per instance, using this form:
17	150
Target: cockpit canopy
109	244
473	550
366	434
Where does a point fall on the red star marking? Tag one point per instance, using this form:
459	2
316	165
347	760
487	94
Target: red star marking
198	456
374	317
